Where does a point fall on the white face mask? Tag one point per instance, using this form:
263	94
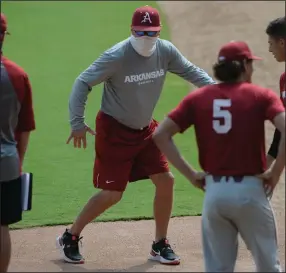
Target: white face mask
145	45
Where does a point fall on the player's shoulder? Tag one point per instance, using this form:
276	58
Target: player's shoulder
260	93
12	68
253	87
118	50
201	93
206	90
257	91
220	89
165	45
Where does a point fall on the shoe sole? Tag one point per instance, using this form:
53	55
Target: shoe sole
64	257
161	260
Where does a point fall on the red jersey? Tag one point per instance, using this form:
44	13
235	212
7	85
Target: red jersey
282	85
229	126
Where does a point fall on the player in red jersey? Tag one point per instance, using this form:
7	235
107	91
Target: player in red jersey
276	31
229	124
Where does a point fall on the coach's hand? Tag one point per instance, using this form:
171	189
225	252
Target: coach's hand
79	137
199	180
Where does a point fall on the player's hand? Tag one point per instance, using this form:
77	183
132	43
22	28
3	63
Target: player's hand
270	180
199	180
79	137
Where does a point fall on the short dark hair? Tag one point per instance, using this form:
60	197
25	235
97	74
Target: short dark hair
277	28
229	71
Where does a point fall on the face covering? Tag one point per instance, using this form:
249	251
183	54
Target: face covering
144	46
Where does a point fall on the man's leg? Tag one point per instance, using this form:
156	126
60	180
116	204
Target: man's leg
11	213
112	167
5	248
112	179
219	233
153	164
96	205
257	227
163	203
220	243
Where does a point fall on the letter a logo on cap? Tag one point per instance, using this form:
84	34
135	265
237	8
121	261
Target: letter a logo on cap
146	18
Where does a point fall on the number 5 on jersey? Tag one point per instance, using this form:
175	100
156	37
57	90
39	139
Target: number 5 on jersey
220	113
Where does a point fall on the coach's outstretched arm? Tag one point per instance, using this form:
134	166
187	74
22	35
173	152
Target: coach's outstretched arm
99	71
182	67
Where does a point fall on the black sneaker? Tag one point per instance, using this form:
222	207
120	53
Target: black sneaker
68	245
163	253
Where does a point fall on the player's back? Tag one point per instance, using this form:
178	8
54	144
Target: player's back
229	122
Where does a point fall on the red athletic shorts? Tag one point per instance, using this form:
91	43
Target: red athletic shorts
124	155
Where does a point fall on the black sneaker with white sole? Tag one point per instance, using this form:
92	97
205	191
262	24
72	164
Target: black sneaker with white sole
163	253
68	245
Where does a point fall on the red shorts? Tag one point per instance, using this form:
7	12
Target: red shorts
124	155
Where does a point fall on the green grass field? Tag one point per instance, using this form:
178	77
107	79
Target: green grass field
55	41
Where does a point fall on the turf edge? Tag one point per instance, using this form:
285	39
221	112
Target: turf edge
125	219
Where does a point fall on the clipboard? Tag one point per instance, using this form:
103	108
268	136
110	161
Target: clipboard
27	191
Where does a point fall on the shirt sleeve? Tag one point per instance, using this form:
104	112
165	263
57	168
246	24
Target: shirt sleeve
26	120
273	105
99	71
182	67
183	114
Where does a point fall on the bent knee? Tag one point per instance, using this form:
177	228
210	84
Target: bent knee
112	197
163	181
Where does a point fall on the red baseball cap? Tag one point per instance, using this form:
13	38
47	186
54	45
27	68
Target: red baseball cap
236	51
146	18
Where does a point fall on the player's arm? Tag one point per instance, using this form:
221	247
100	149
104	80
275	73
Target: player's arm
177	121
182	67
279	164
26	120
99	71
275	112
273	150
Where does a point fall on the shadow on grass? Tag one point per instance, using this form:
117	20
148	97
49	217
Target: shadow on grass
66	267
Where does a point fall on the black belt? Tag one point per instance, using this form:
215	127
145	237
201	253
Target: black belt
236	178
135	130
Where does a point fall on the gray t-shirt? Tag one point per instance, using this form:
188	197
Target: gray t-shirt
132	83
9	109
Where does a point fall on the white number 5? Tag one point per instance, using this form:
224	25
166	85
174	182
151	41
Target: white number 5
219	113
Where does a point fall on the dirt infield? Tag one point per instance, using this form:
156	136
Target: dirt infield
198	29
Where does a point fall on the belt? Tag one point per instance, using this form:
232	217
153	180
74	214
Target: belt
236	178
135	130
